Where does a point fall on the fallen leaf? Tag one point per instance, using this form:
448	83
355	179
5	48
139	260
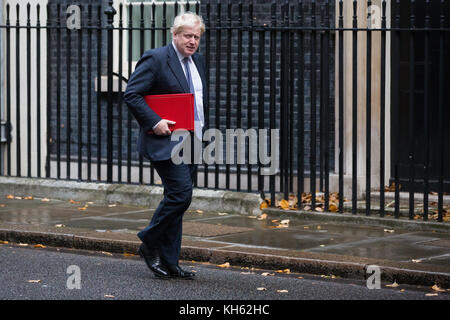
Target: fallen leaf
394	285
282	291
265	274
284	204
10	196
82	208
307	208
222	213
4	242
333	207
199	211
262	217
224	265
263	205
416	260
112	205
437	289
129	255
59	225
39	246
299	277
319	209
18	198
28	198
261	289
389	231
285	222
107	253
45	200
23	244
108	296
73	201
431	294
34	281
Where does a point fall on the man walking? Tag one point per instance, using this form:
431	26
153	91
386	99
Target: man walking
175	68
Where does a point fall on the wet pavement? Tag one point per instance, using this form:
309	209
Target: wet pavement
427	251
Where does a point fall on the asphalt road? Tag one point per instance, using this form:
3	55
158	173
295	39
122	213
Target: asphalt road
30	273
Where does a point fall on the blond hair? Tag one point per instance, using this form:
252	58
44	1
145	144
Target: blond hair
187	19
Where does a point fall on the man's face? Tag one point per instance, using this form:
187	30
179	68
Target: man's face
187	40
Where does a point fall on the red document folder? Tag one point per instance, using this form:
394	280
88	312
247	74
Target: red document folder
175	107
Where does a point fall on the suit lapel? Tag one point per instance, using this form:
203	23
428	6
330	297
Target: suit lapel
175	67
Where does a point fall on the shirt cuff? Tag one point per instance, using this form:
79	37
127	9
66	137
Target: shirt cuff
153	128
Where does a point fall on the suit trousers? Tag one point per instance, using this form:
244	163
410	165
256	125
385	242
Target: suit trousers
165	229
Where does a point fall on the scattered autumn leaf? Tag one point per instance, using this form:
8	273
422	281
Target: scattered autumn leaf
394	285
129	255
39	246
108	296
74	202
10	196
261	289
34	281
4	242
45	200
262	217
224	265
389	231
282	291
437	289
263	205
199	211
28	198
431	294
265	274
284	204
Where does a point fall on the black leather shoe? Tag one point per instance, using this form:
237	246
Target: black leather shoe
151	257
176	272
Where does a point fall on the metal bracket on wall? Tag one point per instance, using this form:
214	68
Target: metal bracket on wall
5	132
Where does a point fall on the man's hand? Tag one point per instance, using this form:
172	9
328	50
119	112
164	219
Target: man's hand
162	129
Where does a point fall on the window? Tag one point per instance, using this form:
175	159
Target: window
153	15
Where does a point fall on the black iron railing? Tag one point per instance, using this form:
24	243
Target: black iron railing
283	65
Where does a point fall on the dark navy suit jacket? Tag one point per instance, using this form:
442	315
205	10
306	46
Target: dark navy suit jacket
158	72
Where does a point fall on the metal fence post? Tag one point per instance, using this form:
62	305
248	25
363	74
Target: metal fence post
110	12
